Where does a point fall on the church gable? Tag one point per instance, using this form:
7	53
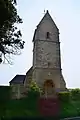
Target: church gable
28	77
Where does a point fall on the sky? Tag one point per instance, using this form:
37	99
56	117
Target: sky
66	14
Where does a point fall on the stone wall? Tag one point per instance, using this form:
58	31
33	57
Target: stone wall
40	75
18	91
47	54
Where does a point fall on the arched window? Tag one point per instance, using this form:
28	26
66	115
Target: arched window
47	35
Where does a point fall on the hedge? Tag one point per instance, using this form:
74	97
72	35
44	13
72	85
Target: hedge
5	96
75	94
64	96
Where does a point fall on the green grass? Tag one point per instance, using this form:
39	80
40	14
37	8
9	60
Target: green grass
24	107
70	109
29	108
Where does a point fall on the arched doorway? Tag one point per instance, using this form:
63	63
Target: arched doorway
49	87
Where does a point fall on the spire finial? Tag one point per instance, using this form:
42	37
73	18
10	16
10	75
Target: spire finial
47	11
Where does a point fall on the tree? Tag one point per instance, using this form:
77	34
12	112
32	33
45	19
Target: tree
10	36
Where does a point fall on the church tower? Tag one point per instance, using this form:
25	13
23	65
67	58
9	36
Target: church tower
46	54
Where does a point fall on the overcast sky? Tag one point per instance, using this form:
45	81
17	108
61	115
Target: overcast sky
66	14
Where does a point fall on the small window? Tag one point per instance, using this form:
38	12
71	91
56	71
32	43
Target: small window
49	63
47	35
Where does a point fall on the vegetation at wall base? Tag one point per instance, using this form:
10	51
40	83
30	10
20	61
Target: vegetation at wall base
28	107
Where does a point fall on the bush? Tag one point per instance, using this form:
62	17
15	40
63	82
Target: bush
34	90
34	86
75	94
64	96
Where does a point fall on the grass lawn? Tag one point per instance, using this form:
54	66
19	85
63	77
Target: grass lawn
29	108
70	109
24	107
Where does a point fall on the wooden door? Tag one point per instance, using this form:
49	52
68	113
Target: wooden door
49	87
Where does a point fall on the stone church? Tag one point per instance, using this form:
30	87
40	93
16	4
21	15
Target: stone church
46	69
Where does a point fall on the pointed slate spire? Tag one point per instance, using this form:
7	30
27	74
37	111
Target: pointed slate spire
48	16
46	19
